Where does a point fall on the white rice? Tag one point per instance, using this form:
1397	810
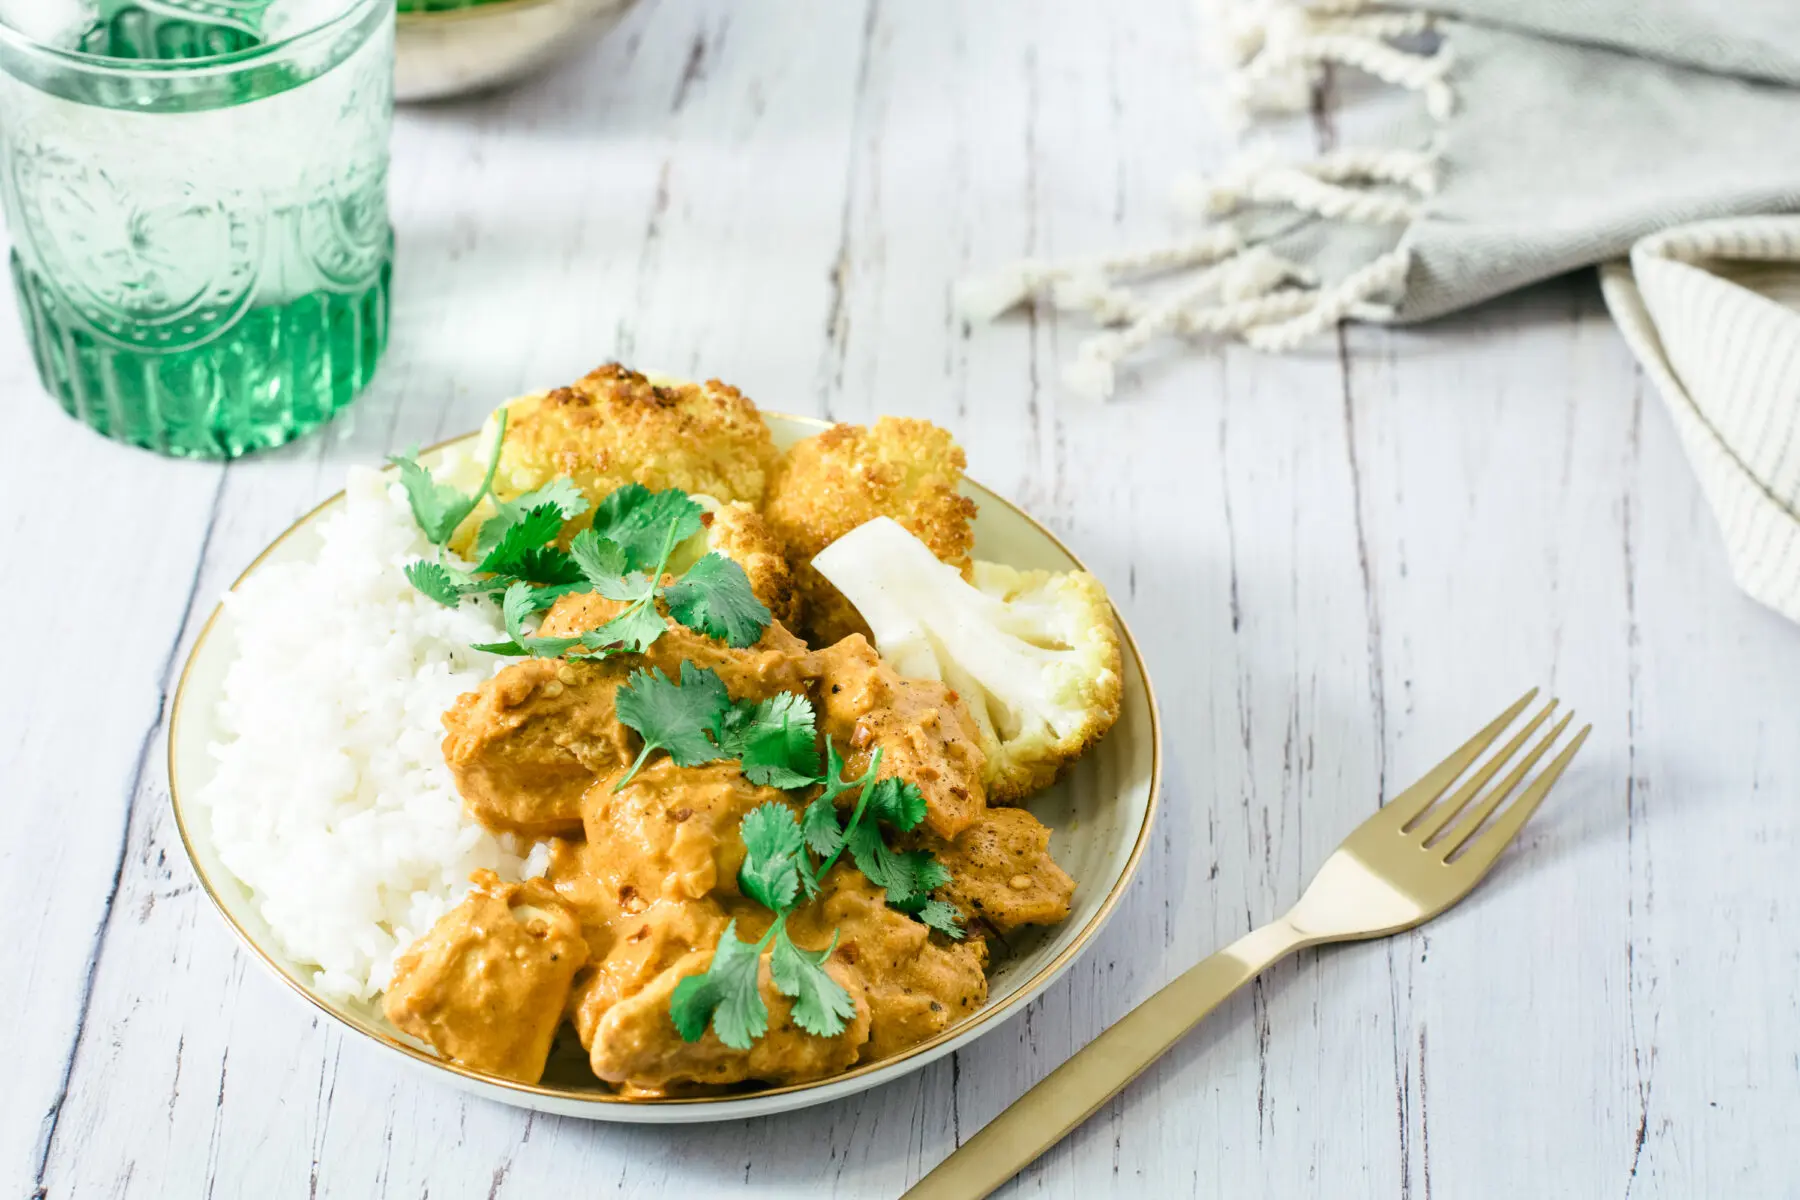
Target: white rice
332	801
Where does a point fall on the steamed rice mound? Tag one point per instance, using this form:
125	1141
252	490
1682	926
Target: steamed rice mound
332	801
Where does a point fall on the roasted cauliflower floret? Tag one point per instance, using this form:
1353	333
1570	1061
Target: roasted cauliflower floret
1034	654
739	532
614	427
830	483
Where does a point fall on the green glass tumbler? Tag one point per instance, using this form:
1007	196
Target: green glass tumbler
201	246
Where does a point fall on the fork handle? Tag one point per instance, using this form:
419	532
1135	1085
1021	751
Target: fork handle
1070	1094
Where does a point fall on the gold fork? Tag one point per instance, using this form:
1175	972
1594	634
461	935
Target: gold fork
1401	867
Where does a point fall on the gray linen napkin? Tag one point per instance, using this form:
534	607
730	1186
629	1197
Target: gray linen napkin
1548	135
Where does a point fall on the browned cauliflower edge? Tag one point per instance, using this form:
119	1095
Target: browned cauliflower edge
616	426
825	486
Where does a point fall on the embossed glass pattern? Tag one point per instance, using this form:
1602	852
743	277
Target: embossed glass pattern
196	192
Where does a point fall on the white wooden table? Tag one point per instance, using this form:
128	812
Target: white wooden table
1338	565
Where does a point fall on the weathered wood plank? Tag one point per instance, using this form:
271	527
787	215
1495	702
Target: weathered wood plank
102	544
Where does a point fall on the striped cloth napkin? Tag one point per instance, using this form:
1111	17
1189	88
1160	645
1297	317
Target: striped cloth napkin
1712	310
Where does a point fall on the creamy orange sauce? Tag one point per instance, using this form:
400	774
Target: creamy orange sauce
644	879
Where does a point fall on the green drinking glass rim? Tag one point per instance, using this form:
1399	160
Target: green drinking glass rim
187	68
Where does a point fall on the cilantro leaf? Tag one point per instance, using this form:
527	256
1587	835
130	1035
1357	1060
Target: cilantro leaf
601	561
560	492
713	597
821	1005
435	580
522	600
772	847
727	995
673	717
821	828
528	532
549	566
510	649
898	803
438	507
942	916
904	874
646	524
634	629
774	740
929	874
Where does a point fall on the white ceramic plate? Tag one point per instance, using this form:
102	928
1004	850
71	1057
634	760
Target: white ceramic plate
1100	814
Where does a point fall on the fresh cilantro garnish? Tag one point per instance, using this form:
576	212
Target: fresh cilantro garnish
726	995
550	567
635	628
774	740
436	581
646	525
714	597
527	533
522	600
786	859
940	915
908	876
623	555
821	1005
773	858
820	826
776	869
631	520
438	507
560	493
675	717
603	562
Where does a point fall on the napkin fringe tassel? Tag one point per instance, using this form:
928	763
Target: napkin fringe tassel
1237	285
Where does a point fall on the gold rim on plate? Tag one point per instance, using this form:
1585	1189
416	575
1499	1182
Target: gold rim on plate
388	1039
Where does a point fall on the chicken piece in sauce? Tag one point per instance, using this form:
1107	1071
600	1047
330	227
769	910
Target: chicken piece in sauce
529	742
1001	871
669	837
907	985
916	984
924	733
657	879
634	1043
655	885
488	985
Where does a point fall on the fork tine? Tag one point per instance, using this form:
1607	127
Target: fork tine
1416	799
1435	820
1487	847
1465	829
